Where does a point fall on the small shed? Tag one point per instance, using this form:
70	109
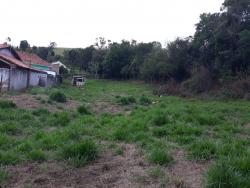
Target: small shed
78	80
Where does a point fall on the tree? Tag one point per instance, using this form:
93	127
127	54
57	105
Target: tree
24	45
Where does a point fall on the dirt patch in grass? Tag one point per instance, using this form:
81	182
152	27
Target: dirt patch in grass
247	126
31	102
110	170
185	173
105	107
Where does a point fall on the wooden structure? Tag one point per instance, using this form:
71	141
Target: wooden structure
15	74
78	80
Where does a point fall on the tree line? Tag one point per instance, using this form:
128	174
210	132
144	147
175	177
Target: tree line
219	48
221	45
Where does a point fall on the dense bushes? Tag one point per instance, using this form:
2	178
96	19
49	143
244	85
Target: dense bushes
201	81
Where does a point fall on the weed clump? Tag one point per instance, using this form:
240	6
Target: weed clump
81	153
83	110
40	112
61	119
144	100
7	104
160	132
126	100
8	158
9	128
160	119
160	157
37	155
230	172
4	174
121	134
203	150
58	97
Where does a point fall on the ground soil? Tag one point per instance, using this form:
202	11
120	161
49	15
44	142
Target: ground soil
186	173
111	170
102	107
31	102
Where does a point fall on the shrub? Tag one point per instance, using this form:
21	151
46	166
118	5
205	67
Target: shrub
171	88
160	156
131	99
81	153
144	100
7	104
236	90
83	110
58	97
201	81
37	155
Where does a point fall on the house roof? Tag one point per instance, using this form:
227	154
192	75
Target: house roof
4	46
33	58
18	63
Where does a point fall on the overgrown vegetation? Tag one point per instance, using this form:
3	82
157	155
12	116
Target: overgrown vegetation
210	131
7	104
58	97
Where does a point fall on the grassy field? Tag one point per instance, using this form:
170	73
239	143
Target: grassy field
212	134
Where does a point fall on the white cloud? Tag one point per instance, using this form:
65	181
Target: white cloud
76	23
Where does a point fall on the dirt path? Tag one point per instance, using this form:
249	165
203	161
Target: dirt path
108	171
185	173
31	102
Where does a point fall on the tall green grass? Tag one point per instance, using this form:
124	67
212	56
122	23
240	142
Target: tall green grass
213	131
79	154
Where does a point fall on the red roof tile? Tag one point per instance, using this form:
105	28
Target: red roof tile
4	46
17	63
33	58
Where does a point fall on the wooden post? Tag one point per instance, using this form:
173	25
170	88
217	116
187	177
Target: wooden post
9	84
1	83
28	78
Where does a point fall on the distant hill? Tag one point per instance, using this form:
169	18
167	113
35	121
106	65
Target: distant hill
59	50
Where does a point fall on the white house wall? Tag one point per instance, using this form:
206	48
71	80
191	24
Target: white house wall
4	77
18	79
38	79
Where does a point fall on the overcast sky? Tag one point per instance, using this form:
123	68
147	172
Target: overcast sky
76	23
